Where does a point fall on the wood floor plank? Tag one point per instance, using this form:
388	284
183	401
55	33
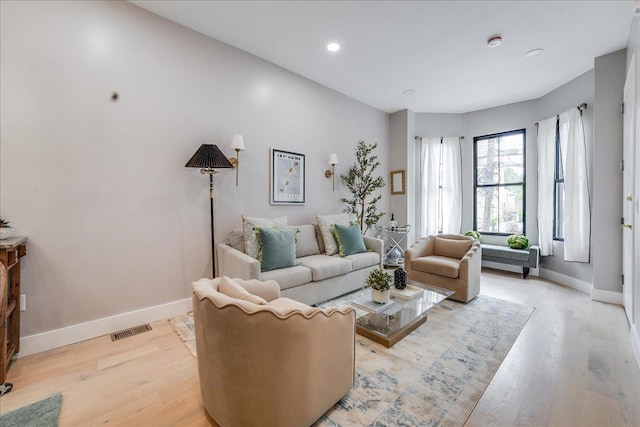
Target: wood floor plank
572	365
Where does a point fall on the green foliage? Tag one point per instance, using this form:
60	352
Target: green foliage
379	280
473	233
4	223
362	184
518	241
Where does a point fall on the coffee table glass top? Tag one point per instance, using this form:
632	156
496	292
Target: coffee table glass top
391	325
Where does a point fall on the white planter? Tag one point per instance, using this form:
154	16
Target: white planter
5	233
380	296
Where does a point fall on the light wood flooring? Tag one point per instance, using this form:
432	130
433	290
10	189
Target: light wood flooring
572	365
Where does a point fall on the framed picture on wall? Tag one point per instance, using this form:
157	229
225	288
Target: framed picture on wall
397	182
287	186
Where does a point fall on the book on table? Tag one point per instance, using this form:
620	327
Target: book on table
367	304
407	293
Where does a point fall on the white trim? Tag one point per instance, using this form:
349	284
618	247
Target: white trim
83	331
606	296
509	267
635	343
568	281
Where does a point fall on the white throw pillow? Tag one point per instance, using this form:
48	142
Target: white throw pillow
325	222
250	223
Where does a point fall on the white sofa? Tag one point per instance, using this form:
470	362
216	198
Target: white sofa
316	278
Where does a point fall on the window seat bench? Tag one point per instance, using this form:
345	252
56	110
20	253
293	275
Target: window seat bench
526	258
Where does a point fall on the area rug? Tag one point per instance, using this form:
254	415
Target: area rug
432	377
44	413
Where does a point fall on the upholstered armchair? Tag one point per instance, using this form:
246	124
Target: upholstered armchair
269	361
448	261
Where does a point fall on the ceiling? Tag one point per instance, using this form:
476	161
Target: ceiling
436	48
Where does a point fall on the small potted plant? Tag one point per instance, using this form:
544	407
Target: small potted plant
380	283
5	229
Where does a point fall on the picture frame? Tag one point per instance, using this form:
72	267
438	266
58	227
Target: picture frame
397	182
287	183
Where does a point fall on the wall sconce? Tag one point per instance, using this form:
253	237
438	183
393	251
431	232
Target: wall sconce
237	143
333	161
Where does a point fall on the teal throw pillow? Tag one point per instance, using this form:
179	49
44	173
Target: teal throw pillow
277	248
349	239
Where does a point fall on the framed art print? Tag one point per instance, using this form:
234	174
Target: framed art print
287	178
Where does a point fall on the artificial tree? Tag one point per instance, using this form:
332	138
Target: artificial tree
362	183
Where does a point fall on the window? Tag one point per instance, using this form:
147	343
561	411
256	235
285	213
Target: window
558	193
499	164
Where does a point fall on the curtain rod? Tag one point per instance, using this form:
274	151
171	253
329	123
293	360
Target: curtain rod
418	138
580	107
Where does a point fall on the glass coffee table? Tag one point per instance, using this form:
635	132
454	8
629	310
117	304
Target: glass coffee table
403	316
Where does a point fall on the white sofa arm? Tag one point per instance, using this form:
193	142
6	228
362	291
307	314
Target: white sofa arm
376	245
233	263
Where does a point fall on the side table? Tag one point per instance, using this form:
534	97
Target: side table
393	238
11	250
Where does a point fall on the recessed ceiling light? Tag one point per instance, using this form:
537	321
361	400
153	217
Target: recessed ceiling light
333	47
409	92
494	41
534	52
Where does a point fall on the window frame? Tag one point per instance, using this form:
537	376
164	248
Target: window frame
523	132
558	178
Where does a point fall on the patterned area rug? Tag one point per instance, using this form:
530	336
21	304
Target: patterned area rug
434	376
44	413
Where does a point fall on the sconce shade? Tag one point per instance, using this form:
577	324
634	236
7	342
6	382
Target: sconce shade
208	156
333	159
237	143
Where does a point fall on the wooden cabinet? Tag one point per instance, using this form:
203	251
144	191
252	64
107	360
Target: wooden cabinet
11	250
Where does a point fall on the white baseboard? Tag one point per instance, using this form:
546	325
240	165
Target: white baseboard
635	343
83	331
606	296
509	267
568	281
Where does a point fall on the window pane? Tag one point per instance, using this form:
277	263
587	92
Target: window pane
487	162
559	218
500	209
512	159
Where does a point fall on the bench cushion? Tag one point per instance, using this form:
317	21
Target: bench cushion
505	252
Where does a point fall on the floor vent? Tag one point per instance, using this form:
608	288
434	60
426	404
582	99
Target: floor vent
130	332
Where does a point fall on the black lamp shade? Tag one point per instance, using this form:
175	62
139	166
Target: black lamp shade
209	156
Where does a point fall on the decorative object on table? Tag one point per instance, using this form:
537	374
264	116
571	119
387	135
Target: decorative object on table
333	161
287	183
6	230
400	278
518	241
392	223
407	293
237	143
397	182
367	304
475	234
380	283
362	183
393	239
209	158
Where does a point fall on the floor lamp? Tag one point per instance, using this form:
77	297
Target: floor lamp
209	158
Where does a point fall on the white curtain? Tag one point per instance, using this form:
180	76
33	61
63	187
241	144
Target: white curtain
451	186
546	176
577	213
441	160
430	171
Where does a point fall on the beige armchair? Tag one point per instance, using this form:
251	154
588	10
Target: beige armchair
277	362
448	261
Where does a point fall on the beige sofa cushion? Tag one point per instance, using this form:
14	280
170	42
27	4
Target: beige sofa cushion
439	265
233	289
362	260
451	248
323	267
325	222
288	277
306	241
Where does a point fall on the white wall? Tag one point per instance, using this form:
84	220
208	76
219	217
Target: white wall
114	219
